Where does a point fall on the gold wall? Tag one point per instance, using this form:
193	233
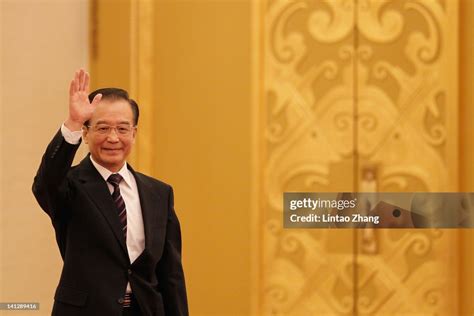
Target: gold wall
195	128
243	100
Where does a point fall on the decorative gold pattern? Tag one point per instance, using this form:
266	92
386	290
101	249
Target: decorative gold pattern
308	136
375	77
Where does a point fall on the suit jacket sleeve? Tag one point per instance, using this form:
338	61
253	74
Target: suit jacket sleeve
169	269
50	185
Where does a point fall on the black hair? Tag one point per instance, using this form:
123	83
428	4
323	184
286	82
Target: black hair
114	94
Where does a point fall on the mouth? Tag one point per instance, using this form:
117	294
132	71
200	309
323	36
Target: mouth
112	150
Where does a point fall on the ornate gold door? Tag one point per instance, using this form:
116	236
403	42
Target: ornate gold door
352	85
308	141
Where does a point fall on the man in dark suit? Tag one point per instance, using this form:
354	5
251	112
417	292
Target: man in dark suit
116	229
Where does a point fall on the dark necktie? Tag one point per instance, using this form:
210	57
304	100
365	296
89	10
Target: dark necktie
115	180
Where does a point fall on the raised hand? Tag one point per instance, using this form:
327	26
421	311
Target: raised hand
80	109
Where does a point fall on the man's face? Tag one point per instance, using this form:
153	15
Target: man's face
111	134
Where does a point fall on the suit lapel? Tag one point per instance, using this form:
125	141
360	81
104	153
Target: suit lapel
100	195
149	202
154	218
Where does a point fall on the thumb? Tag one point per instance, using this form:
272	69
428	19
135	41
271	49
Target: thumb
96	99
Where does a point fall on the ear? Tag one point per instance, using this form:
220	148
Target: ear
85	133
134	134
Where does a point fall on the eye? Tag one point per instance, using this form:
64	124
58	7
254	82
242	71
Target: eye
102	129
123	130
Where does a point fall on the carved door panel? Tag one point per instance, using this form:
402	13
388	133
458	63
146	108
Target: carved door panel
308	145
349	86
407	107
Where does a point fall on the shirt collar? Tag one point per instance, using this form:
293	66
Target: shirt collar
105	173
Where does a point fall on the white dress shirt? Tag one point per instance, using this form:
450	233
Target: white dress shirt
129	191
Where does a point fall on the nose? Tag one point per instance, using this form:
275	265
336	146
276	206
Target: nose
112	136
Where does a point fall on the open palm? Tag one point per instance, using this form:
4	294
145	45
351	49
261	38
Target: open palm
80	109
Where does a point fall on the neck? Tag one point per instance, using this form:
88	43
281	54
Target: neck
111	168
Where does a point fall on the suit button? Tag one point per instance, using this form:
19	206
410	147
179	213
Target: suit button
129	272
120	300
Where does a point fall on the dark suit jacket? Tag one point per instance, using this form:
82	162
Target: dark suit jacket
96	263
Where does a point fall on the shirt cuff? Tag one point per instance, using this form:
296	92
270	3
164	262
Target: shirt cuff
72	137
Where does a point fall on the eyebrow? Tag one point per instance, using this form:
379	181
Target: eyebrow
106	122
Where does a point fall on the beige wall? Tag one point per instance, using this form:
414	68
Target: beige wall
42	43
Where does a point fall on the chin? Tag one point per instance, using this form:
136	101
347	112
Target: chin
112	155
112	161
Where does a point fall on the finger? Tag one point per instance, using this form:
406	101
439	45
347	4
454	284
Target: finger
81	79
71	88
76	81
84	78
86	83
96	100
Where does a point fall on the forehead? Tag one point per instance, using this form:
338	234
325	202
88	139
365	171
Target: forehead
112	111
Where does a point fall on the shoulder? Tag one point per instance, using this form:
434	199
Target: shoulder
153	182
74	171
